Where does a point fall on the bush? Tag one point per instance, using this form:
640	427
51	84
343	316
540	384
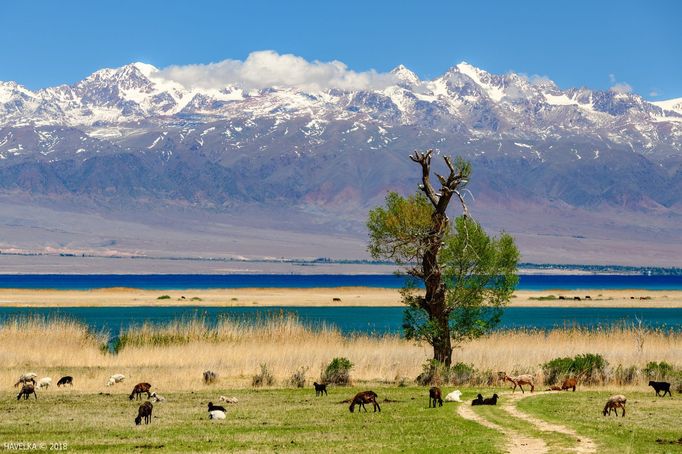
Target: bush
626	375
163	297
264	378
298	378
436	373
460	374
659	371
588	368
337	372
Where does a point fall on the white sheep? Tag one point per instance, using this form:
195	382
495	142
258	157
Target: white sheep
454	396
216	414
44	382
25	378
116	378
157	398
229	400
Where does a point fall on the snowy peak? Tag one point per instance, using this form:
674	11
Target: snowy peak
674	105
405	75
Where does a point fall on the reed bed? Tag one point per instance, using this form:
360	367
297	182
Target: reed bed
173	356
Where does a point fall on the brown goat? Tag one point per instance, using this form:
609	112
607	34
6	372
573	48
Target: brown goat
145	411
568	384
614	403
139	389
525	379
362	398
554	388
26	390
435	396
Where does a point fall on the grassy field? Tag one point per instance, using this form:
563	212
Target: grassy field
294	420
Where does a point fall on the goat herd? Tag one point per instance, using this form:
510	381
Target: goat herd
29	384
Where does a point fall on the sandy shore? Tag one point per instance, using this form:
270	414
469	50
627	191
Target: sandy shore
344	296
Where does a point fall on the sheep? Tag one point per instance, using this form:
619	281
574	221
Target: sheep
229	400
568	384
157	398
25	378
212	407
145	411
116	378
26	390
139	389
363	398
454	396
491	400
216	414
44	382
320	388
614	403
210	377
661	386
525	379
435	396
478	400
65	380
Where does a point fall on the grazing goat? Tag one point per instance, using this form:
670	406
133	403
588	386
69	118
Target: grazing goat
157	398
145	411
44	382
25	378
116	378
568	384
362	398
26	390
210	377
554	388
216	414
65	380
454	396
661	386
212	407
478	400
435	396
525	379
229	400
139	389
614	403
320	388
491	400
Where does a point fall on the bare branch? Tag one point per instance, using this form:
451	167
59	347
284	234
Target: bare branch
465	209
424	159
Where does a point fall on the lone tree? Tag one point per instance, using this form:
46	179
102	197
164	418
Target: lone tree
468	277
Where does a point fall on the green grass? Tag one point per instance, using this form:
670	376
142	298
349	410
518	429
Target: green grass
264	420
163	297
647	419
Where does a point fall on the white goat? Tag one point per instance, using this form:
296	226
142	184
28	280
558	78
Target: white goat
116	378
216	414
229	400
44	382
156	397
454	396
25	378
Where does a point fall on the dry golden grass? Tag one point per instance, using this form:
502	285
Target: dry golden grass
173	357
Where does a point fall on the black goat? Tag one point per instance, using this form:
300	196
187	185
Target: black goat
320	388
66	380
491	400
145	411
478	400
26	390
661	386
435	396
212	407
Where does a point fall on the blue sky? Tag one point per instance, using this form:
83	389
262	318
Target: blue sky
575	43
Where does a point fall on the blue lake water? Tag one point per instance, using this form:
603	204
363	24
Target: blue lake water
206	281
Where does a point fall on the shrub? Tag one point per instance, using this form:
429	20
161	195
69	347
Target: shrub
298	378
659	371
589	368
338	372
264	378
626	375
163	297
460	374
432	373
436	373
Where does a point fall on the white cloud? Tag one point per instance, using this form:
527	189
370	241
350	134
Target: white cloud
267	68
621	87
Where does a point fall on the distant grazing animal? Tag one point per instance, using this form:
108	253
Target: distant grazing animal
336	300
614	403
145	411
116	378
554	388
210	377
25	378
661	386
576	298
491	400
320	388
139	389
44	382
212	407
65	380
229	400
568	384
362	398
588	297
26	390
435	396
525	379
157	398
216	414
478	400
454	396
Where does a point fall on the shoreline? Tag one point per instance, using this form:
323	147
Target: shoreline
318	297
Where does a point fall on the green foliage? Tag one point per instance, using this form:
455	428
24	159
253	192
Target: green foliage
163	297
589	368
543	298
264	378
338	372
626	375
658	371
436	373
298	377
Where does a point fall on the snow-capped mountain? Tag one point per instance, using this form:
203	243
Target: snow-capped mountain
131	136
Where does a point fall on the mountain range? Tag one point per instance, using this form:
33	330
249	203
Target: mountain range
127	161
